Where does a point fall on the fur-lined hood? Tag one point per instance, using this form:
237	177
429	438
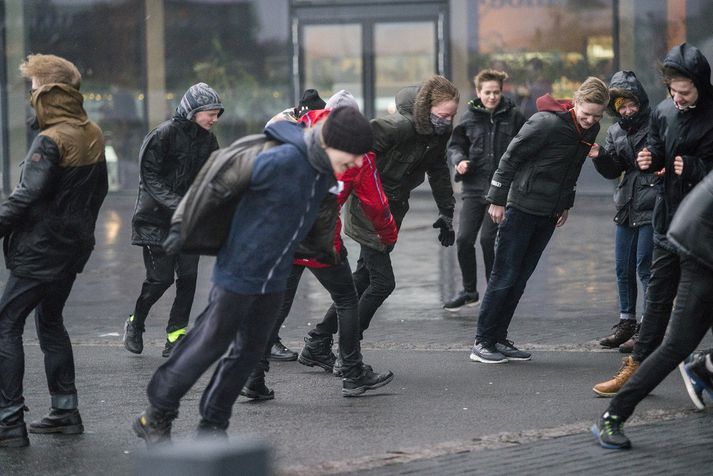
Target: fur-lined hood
414	103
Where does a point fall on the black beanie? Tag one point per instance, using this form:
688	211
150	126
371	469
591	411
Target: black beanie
346	129
310	100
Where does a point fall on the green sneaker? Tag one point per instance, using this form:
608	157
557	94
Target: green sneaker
609	432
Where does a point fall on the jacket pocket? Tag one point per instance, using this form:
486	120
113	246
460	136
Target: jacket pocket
645	191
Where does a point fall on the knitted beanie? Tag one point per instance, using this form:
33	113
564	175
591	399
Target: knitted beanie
199	97
341	98
309	101
346	129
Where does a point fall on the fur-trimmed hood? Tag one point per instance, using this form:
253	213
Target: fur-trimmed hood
414	103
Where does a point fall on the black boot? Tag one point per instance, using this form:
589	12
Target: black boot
13	431
367	380
67	422
212	430
154	426
256	389
133	336
623	331
280	353
318	352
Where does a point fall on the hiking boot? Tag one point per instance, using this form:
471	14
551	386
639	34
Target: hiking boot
462	299
211	430
133	336
13	431
487	354
609	432
255	389
628	346
508	349
280	353
66	422
623	331
154	426
613	385
337	370
696	378
368	380
168	348
317	351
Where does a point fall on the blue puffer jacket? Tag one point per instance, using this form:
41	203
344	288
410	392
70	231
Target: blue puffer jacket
274	215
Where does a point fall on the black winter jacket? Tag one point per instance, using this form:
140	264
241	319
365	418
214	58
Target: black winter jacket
406	151
171	156
636	192
685	133
481	138
538	172
48	221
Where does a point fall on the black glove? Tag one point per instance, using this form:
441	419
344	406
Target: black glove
446	236
390	248
173	243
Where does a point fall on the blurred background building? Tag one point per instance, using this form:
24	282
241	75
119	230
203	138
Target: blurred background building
137	57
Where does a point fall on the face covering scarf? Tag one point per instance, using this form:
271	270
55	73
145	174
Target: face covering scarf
440	125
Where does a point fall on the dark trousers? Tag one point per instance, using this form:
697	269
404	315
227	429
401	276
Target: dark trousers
374	281
691	319
337	280
160	269
661	292
522	238
47	298
237	323
473	218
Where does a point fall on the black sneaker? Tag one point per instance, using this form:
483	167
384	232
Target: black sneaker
368	380
487	354
154	426
133	336
66	422
168	348
13	431
508	349
317	352
212	431
609	432
257	390
280	353
337	370
463	298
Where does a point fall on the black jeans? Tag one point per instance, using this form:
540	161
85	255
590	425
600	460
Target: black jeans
47	298
691	319
374	281
237	323
660	294
473	218
160	269
522	238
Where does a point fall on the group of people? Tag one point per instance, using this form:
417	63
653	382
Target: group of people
322	165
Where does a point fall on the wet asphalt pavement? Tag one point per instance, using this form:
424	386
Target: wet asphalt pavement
441	415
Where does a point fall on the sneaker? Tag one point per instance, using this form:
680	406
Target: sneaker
133	336
609	432
628	346
168	348
280	353
696	378
13	431
67	422
154	426
508	349
463	298
487	354
257	390
368	380
317	352
211	431
623	331
337	370
613	385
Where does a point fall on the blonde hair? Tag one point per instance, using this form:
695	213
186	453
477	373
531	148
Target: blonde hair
592	90
489	75
442	90
47	69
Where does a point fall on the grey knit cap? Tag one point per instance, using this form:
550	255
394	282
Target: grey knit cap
342	98
199	97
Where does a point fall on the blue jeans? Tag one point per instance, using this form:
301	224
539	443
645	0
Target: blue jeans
522	238
633	249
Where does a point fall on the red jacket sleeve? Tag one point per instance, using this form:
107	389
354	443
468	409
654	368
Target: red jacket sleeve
367	188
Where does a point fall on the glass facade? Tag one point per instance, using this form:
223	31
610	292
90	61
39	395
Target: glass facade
138	57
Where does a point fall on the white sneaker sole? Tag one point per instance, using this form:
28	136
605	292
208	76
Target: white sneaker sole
476	358
456	309
697	402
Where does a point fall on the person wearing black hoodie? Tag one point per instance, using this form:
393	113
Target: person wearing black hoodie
531	194
634	198
170	158
475	148
681	142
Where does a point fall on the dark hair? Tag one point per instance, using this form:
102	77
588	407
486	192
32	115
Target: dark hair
489	75
670	74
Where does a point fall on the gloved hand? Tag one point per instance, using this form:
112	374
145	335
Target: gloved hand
446	236
173	243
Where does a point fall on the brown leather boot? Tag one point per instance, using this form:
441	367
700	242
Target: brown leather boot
628	346
623	331
610	387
